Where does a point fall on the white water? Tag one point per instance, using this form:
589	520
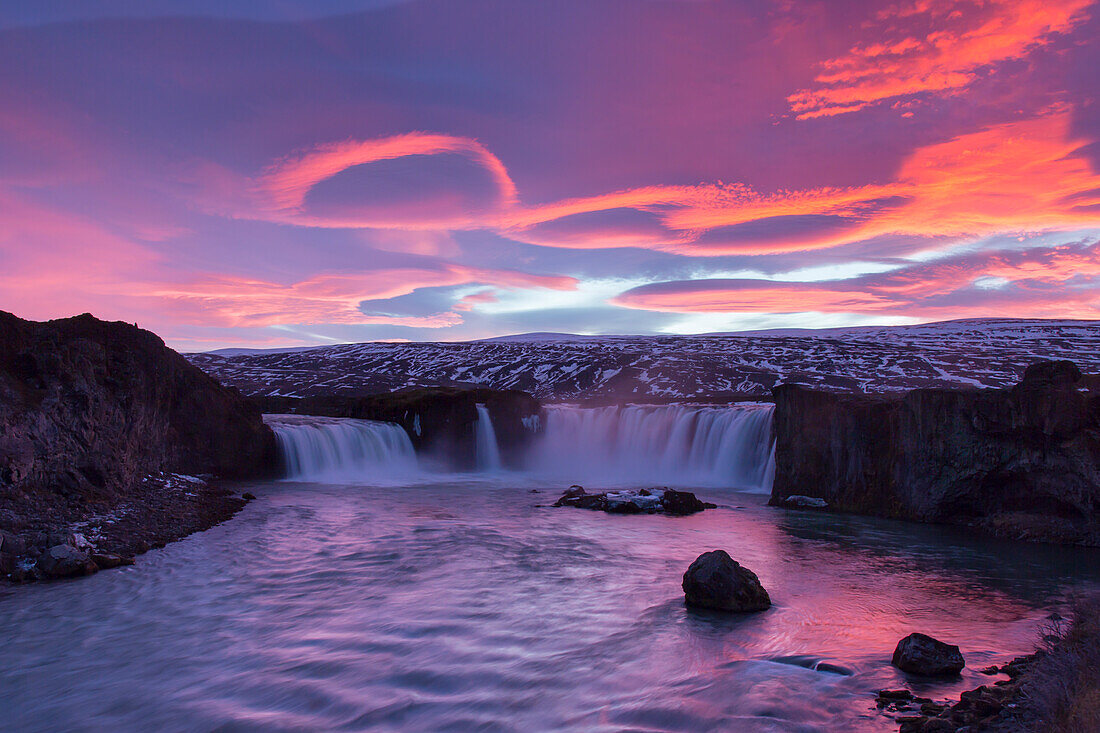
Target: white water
633	445
646	445
488	451
342	450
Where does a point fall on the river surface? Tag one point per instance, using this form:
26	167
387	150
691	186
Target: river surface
464	605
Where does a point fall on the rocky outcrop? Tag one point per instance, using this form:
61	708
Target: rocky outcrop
1021	462
639	501
440	421
717	581
923	655
89	409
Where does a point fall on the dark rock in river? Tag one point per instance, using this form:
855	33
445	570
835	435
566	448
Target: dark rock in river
923	655
65	561
1021	462
641	501
717	581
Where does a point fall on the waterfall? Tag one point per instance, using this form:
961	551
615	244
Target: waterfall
633	445
488	452
342	450
677	445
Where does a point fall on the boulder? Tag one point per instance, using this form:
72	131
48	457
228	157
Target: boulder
681	503
65	561
798	501
717	581
923	655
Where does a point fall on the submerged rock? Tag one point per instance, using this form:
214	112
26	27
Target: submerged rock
715	580
798	501
923	655
640	501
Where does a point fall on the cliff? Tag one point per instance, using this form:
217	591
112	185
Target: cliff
1021	462
441	421
89	409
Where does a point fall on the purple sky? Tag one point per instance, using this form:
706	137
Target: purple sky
286	173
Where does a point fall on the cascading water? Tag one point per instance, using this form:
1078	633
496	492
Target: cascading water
341	450
678	445
488	451
633	445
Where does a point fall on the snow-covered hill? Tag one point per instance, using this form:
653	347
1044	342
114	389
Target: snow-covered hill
713	367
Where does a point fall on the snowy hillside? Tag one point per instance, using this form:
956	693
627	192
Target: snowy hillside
715	367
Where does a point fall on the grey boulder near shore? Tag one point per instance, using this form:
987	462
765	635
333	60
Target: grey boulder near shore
923	655
717	581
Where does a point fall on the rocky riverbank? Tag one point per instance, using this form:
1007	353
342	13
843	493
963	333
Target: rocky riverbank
1022	463
94	416
1055	690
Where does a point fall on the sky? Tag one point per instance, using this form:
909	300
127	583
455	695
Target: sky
282	173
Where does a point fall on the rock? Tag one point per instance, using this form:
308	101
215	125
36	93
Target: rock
248	496
717	581
64	561
641	501
569	497
937	725
682	503
12	544
923	655
1022	462
895	695
107	560
798	501
8	563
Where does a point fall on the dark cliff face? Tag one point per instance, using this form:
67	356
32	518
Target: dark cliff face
88	408
441	421
1022	462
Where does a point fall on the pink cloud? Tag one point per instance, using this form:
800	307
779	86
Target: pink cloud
332	298
284	189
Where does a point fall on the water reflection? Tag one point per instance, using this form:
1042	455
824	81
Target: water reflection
458	606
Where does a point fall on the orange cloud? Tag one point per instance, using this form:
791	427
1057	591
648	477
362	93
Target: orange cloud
956	39
1023	176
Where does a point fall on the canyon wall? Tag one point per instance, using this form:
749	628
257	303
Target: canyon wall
1021	462
88	408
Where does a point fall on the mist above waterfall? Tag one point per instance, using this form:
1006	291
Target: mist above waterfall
632	445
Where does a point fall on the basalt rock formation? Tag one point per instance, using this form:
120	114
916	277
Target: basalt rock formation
440	421
1022	462
89	409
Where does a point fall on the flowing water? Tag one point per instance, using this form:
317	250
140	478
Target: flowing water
464	603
